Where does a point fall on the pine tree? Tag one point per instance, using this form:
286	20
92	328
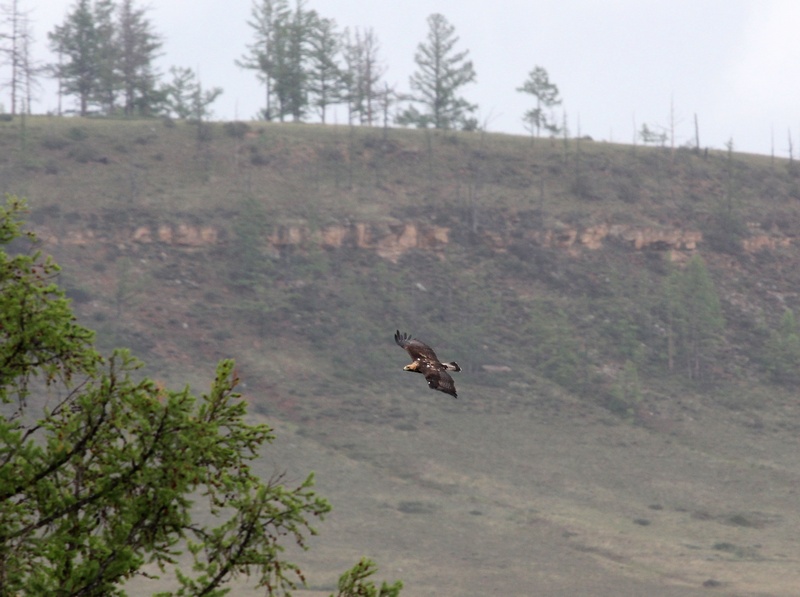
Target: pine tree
184	96
441	74
558	354
325	80
268	18
76	41
695	321
106	52
109	471
291	86
106	57
546	93
138	46
782	351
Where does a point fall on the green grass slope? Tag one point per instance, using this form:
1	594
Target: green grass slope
623	427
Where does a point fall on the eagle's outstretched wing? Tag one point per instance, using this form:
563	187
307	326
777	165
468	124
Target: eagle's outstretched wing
439	379
415	348
426	362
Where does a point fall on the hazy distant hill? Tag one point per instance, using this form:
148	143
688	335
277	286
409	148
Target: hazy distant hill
627	419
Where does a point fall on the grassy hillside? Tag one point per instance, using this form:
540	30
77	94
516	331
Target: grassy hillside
506	287
619	312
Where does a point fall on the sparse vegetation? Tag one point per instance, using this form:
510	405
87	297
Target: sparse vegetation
285	176
550	329
111	477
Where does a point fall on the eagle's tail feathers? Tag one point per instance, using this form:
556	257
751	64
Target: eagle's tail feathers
452	366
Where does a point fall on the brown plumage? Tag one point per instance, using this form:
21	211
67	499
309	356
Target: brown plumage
427	363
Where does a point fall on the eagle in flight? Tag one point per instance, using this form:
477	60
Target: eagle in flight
427	363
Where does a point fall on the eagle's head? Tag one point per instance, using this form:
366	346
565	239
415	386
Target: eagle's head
412	367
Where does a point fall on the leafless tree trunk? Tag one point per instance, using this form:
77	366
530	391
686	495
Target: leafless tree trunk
363	73
672	126
15	52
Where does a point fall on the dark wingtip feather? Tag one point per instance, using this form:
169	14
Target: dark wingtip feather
401	338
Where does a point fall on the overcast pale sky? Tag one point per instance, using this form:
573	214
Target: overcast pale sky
617	63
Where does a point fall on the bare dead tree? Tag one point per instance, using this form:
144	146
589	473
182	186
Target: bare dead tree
16	54
387	99
363	72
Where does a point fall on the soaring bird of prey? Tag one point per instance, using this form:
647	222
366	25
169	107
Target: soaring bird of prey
427	363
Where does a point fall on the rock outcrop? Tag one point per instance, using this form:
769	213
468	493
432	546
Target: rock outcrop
391	239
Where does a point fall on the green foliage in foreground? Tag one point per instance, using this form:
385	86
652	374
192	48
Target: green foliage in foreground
101	474
355	582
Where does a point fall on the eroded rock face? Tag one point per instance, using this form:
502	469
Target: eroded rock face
593	237
195	236
394	238
186	235
765	242
658	238
391	239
